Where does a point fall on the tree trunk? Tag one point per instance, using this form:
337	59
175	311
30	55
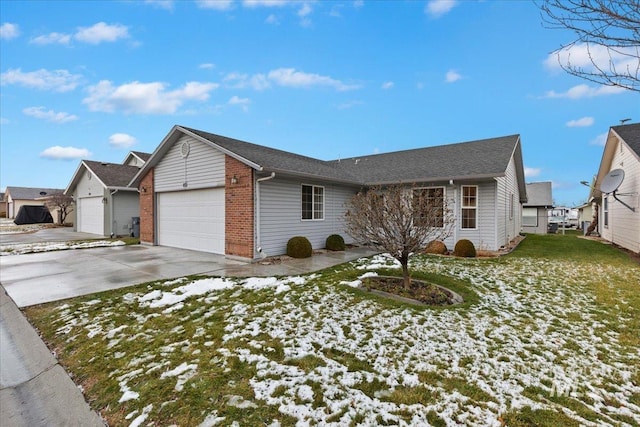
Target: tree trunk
405	272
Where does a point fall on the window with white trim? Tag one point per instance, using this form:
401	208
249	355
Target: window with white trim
605	211
429	205
511	205
469	206
529	217
312	202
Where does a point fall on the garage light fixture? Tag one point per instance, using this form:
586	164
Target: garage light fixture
234	180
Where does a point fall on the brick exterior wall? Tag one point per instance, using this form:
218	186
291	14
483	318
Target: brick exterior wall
146	208
239	209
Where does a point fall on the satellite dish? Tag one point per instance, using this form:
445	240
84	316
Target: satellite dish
612	181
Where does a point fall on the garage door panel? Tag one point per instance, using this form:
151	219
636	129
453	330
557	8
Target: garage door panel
192	220
90	215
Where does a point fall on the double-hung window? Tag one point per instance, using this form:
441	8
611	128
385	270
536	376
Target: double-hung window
429	206
530	217
469	206
312	202
605	211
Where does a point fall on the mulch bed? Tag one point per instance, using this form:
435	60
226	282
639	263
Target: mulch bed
419	291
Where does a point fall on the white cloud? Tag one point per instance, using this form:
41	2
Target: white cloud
387	85
161	4
242	102
65	153
272	19
584	56
582	122
57	80
52	38
215	4
358	3
4	121
437	8
289	77
452	76
303	13
264	3
121	140
600	140
101	32
585	91
9	31
144	98
244	81
531	172
51	116
207	66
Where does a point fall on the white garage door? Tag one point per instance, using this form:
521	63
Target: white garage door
91	215
192	220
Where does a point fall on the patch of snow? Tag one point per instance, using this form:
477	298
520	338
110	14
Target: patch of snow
142	417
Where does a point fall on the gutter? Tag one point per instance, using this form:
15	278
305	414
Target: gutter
258	181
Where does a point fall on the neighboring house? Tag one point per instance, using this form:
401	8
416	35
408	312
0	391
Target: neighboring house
104	203
619	211
585	215
3	206
534	212
15	197
136	158
215	194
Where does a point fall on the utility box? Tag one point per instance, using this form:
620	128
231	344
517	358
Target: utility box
135	226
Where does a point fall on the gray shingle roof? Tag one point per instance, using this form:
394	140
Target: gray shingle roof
475	159
271	159
112	174
630	134
143	156
28	193
539	194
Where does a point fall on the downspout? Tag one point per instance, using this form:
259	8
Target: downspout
258	181
111	203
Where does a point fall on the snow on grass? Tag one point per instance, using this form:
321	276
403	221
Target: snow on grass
324	355
28	248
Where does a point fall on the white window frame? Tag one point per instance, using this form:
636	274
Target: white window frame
444	198
511	205
464	207
313	202
526	223
605	211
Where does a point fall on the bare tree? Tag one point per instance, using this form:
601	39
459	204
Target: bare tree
606	49
63	203
400	220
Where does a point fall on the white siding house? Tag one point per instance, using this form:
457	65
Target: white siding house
207	192
619	210
534	213
104	204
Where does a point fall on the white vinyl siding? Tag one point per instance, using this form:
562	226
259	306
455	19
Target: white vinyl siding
508	210
90	215
624	224
126	205
484	235
192	220
202	168
280	217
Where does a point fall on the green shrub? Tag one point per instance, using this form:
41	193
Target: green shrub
335	242
299	247
465	248
436	247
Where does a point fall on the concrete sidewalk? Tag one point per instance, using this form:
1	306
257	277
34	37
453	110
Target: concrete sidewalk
34	389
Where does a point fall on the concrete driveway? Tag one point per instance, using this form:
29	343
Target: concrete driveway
50	276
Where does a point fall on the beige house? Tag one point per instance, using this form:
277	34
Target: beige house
16	197
617	187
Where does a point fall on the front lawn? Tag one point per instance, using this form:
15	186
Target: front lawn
549	335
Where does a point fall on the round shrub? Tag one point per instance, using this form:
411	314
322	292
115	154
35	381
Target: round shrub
335	242
465	248
436	247
299	247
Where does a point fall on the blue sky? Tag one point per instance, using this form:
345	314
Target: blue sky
326	79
